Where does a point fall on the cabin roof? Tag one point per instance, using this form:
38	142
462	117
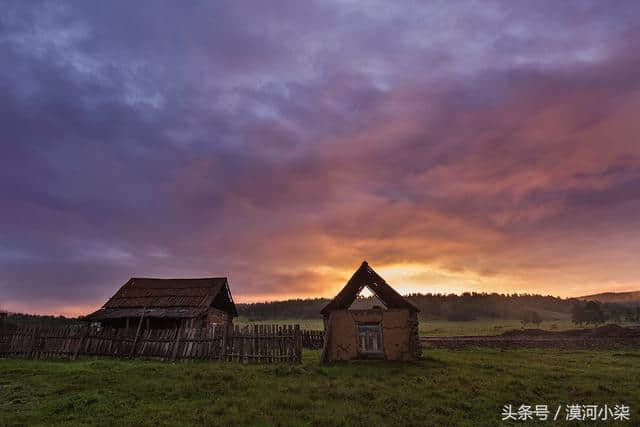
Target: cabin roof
167	298
170	312
366	276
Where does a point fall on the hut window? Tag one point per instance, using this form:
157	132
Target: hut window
369	338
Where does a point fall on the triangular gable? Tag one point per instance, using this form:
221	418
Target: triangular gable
367	303
225	300
365	276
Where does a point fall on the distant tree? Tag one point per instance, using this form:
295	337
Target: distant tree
530	316
457	314
630	316
577	314
536	319
4	323
22	319
467	306
614	315
593	313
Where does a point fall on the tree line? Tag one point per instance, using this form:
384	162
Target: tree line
594	313
530	308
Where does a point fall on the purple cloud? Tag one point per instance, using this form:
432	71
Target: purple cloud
280	144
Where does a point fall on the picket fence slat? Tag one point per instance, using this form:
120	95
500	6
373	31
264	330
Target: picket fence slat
312	339
247	344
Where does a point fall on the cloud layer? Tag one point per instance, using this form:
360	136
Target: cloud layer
454	146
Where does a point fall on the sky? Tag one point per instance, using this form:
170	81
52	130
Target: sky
488	146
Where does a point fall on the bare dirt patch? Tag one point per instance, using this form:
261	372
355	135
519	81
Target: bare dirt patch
604	337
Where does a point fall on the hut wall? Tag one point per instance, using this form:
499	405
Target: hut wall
217	316
147	323
397	331
117	323
414	338
213	315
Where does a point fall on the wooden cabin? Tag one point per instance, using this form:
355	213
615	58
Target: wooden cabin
168	304
382	326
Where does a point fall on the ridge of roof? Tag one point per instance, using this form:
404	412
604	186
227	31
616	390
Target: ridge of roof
180	278
148	292
366	276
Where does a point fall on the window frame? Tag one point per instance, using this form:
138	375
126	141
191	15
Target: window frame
365	352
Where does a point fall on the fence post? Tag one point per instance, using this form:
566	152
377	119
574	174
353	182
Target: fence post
324	357
80	343
135	340
298	343
242	341
211	334
223	350
176	344
34	342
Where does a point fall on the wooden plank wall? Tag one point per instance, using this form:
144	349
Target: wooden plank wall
248	344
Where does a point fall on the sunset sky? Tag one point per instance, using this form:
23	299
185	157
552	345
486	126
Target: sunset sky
456	146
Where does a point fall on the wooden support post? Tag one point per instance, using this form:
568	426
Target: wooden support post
325	347
135	340
242	341
223	350
210	334
34	342
80	343
298	344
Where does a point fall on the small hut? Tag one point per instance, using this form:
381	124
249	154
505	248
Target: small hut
382	326
168	304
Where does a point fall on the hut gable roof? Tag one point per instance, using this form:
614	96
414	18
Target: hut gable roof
365	276
168	298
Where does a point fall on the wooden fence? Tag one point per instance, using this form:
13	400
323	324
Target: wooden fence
312	339
249	344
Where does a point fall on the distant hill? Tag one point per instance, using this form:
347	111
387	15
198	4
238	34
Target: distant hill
626	298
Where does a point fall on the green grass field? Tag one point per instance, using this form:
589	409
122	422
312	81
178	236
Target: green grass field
448	387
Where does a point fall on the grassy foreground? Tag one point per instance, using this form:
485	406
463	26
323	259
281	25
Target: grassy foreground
463	387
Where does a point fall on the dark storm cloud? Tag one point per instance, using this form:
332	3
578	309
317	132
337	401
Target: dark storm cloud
280	143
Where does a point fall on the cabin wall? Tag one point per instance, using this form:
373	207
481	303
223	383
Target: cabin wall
218	316
414	336
213	315
398	329
132	323
120	323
